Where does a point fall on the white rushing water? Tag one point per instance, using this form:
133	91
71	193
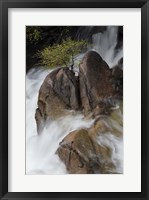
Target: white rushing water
105	43
40	149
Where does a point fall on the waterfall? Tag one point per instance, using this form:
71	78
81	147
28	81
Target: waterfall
105	44
40	149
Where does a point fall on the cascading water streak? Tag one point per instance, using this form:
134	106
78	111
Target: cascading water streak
105	44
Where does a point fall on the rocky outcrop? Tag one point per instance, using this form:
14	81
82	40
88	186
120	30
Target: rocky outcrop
95	83
76	151
58	93
93	92
81	152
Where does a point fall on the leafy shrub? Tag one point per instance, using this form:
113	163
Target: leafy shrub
61	54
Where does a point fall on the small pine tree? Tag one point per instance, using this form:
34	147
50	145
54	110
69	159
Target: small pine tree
61	54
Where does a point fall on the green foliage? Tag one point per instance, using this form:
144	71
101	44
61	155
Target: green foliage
61	54
33	34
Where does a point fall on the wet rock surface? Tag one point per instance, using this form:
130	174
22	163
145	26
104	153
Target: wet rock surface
96	87
82	153
117	73
76	152
58	93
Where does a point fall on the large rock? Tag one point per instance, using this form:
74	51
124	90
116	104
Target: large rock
91	150
82	154
95	84
117	73
77	152
58	93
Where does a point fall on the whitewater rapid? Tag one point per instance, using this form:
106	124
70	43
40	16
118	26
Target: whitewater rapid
40	149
